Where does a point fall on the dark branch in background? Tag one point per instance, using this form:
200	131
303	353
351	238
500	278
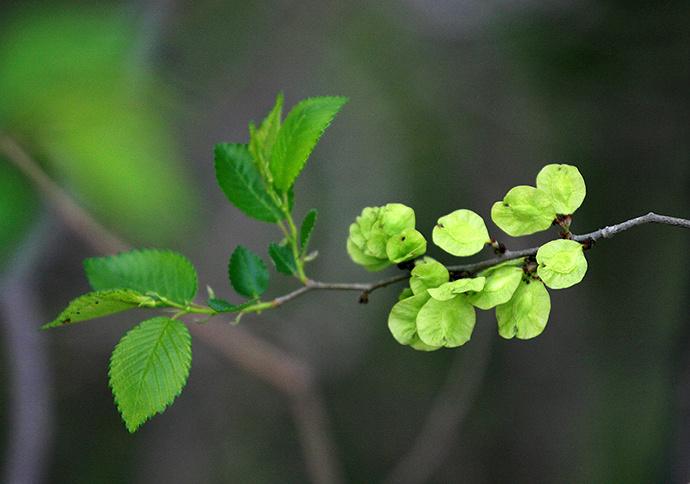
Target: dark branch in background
290	375
75	217
30	387
280	369
448	411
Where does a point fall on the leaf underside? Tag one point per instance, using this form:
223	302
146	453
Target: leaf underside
526	314
283	259
95	305
306	229
446	323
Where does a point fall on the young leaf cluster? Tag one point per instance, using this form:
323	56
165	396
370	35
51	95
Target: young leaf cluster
382	236
438	309
150	365
258	178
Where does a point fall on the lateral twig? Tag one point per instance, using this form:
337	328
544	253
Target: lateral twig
282	370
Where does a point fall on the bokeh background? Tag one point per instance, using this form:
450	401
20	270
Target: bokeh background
451	104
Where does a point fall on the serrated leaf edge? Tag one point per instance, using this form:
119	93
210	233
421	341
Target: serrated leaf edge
242	248
187	367
88	261
291	180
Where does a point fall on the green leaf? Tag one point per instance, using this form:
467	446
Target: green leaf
403	316
369	262
405	246
565	185
306	230
524	210
100	303
149	368
526	314
261	140
405	293
166	273
223	306
283	258
393	218
449	290
298	135
427	273
369	235
562	263
420	345
461	233
499	287
248	273
509	263
241	182
446	323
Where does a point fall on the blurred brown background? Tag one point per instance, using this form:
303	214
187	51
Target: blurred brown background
451	104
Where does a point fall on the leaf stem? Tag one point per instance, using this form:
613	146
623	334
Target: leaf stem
189	308
293	239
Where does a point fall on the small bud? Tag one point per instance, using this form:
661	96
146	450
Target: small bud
407	265
498	247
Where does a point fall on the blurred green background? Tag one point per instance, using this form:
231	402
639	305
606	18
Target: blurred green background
451	104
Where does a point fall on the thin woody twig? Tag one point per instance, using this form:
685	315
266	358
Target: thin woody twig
30	392
75	217
651	217
364	287
604	233
368	287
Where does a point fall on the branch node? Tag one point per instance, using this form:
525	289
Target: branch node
455	275
406	266
498	247
588	243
